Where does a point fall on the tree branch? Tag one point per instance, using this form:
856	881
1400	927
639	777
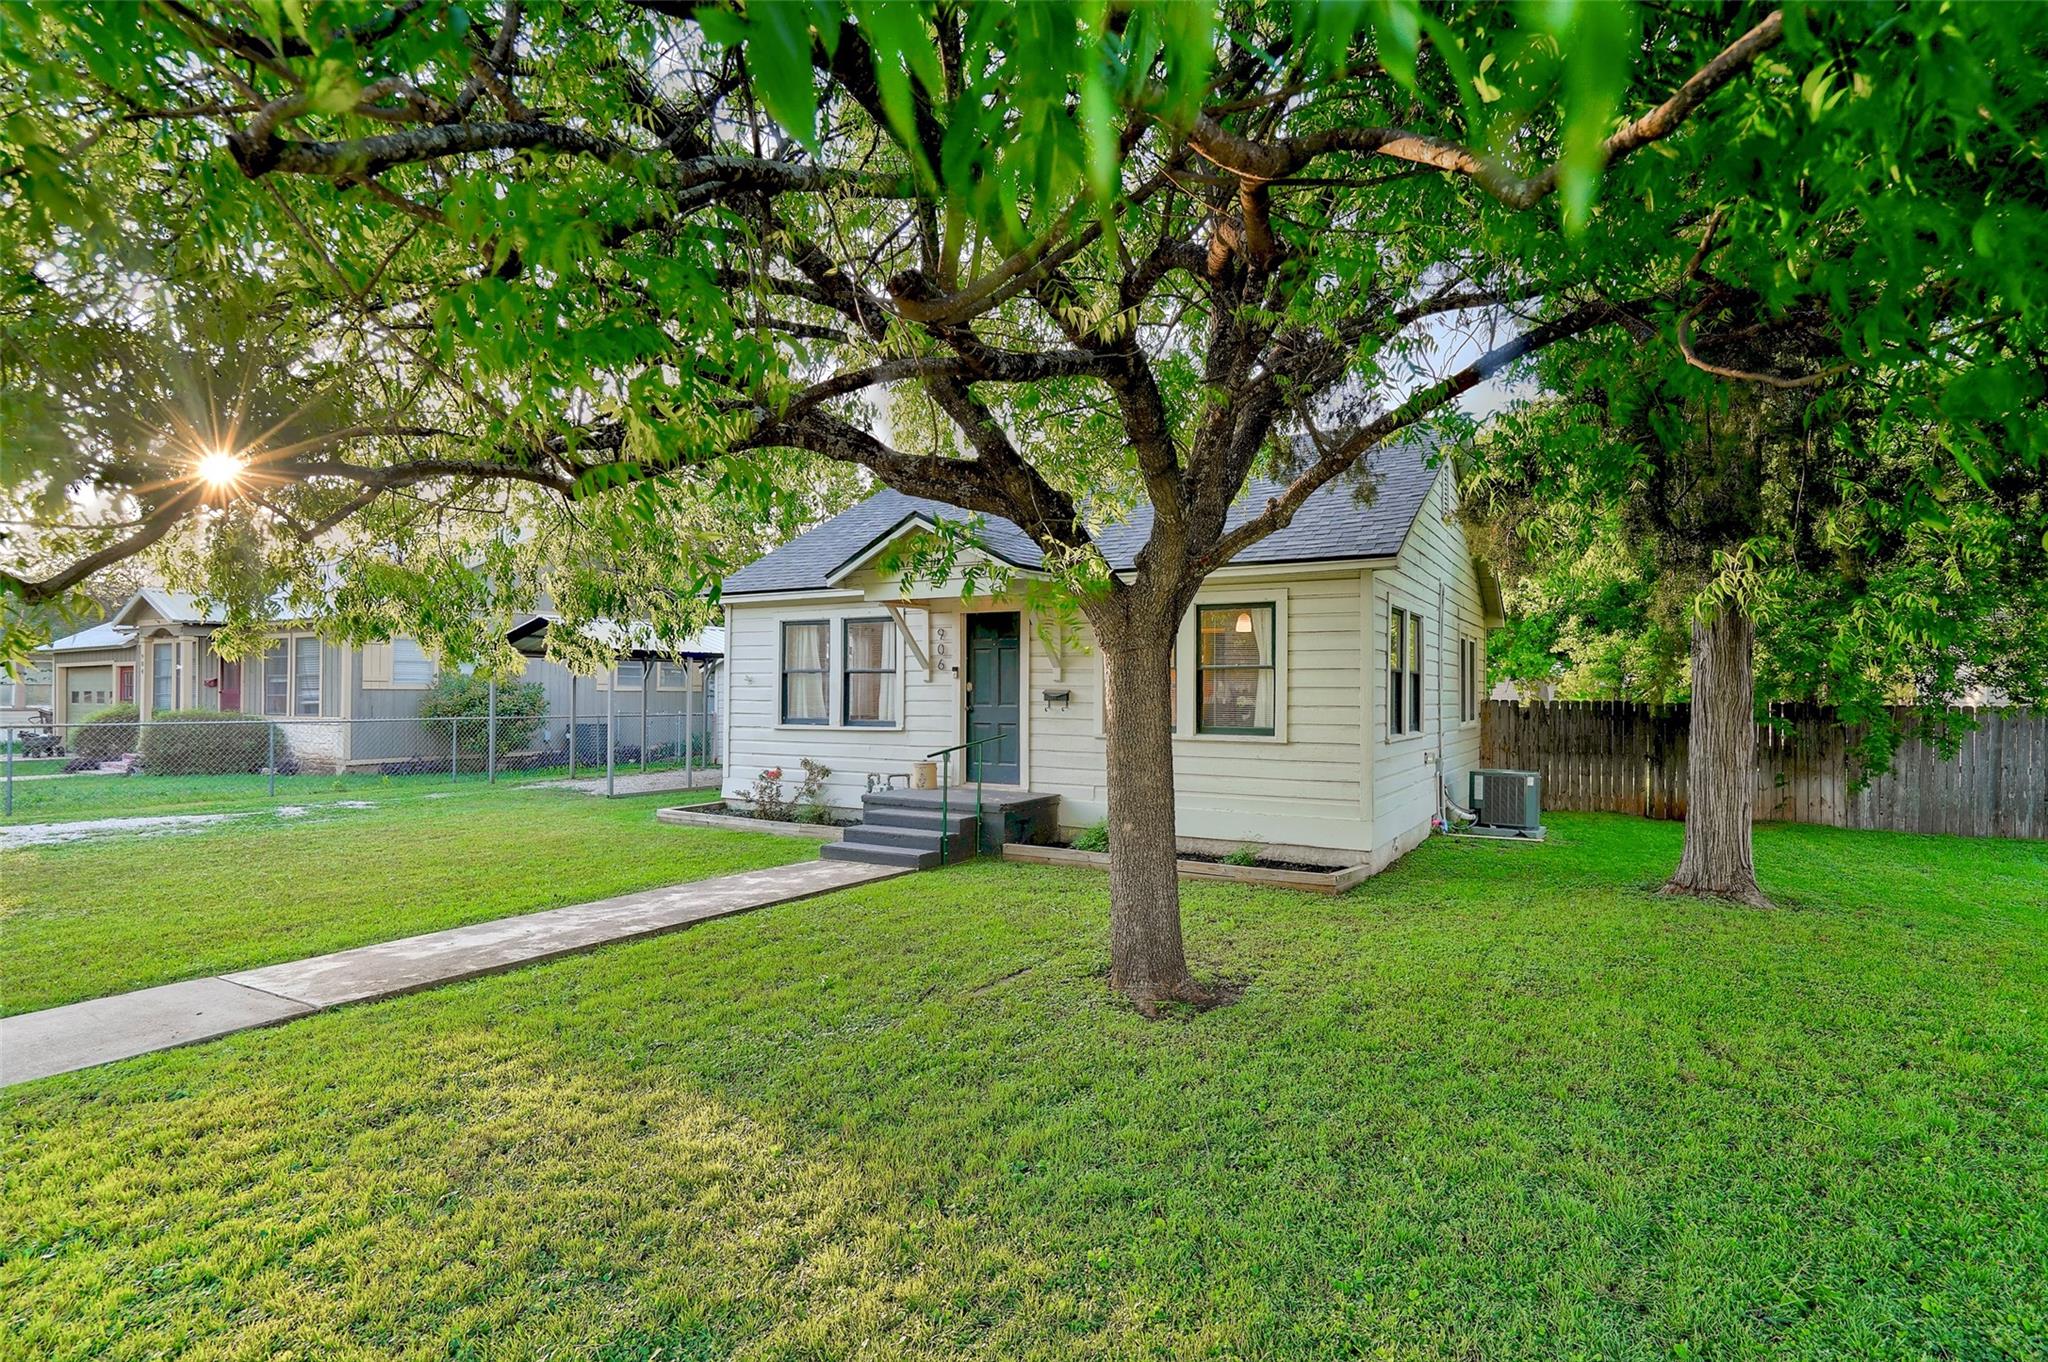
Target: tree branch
1350	448
1263	162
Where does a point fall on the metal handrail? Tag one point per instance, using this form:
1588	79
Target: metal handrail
945	756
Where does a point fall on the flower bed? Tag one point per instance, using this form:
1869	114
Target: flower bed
722	815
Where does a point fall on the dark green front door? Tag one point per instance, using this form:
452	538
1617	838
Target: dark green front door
994	686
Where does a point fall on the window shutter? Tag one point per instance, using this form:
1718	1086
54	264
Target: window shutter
376	664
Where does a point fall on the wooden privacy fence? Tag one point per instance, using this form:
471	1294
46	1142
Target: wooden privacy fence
1622	757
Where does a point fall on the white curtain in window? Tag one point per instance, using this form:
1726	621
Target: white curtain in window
804	646
870	672
867	646
1263	697
803	667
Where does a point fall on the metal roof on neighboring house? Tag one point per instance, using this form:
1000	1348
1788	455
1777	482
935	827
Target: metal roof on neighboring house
636	639
1332	525
182	607
106	635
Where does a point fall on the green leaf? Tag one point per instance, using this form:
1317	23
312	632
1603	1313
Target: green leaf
334	88
1397	35
778	53
1599	41
295	10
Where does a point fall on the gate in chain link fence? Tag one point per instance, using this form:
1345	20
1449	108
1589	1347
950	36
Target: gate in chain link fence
124	765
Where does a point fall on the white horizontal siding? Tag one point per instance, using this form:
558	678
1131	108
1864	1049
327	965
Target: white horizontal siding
1301	788
758	740
1406	770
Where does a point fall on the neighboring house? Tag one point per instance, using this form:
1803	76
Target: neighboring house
89	670
157	653
26	695
1327	681
1522	692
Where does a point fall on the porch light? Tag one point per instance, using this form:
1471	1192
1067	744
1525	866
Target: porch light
1244	621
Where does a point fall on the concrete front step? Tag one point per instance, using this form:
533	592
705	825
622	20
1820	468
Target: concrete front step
922	820
912	799
921	839
870	853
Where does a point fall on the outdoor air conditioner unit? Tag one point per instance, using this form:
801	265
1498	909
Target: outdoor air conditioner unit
1508	800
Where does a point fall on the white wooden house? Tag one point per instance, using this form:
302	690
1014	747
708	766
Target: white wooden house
1328	681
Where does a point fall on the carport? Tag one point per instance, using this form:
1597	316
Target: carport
698	657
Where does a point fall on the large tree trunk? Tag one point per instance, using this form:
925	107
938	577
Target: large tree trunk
1147	961
1720	779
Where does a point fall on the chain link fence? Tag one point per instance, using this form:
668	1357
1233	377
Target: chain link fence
120	764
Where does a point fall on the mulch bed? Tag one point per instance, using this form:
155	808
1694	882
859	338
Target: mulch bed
1263	862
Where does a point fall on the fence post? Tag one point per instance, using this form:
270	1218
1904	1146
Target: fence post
574	682
454	747
611	727
491	738
10	773
689	735
646	681
270	762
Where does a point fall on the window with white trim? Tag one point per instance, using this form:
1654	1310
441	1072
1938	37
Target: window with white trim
277	678
1404	672
305	675
1468	680
672	676
1236	682
163	677
1415	673
868	683
410	664
631	674
291	676
806	671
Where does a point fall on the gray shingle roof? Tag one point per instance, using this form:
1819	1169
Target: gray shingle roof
1331	525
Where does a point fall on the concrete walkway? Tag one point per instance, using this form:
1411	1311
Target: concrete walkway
77	1036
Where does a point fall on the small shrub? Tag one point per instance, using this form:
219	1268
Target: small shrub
1094	837
204	742
766	798
1247	854
810	794
105	734
522	708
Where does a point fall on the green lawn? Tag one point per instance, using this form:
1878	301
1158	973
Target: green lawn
116	913
90	795
38	766
1500	1102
